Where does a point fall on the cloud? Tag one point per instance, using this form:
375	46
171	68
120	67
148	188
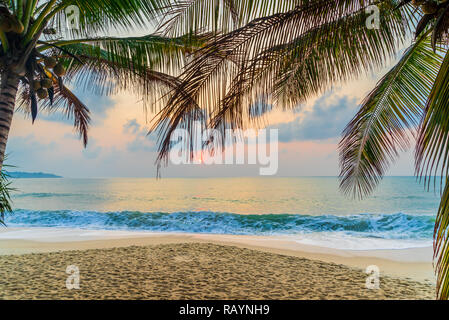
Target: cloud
26	152
142	141
98	106
132	126
325	120
27	146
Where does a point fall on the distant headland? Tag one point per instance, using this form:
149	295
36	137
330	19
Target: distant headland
19	175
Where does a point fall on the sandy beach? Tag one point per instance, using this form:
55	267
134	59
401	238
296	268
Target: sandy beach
224	150
121	265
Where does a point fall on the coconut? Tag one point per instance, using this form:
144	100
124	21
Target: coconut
36	84
59	70
429	7
50	62
42	93
46	83
17	26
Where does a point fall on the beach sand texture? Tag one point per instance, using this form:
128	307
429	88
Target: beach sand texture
192	271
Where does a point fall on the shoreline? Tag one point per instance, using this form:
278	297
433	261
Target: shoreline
412	264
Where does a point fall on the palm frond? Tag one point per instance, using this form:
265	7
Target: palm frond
74	109
218	16
104	73
373	139
99	17
432	149
152	51
109	65
99	71
224	65
441	245
63	100
291	73
193	15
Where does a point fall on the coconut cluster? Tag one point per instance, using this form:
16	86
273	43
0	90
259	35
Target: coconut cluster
42	86
58	68
427	7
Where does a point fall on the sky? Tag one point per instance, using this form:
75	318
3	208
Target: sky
119	145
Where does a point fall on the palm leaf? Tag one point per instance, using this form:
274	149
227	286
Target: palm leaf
373	139
217	16
74	108
109	65
106	74
151	51
99	17
432	145
63	100
98	71
289	74
441	245
192	15
221	66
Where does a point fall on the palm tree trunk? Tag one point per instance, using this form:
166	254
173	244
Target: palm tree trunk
8	91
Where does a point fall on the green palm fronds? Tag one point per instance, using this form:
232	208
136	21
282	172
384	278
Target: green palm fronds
86	57
381	129
432	159
410	102
441	245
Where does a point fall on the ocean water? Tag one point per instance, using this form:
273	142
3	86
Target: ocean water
400	214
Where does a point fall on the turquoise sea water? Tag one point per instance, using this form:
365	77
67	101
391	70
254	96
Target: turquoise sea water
399	214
